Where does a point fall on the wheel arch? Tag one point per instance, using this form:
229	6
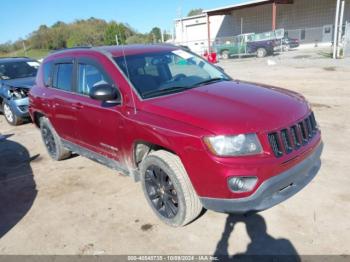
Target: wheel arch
141	149
224	50
36	118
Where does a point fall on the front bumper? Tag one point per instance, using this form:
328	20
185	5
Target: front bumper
273	191
19	107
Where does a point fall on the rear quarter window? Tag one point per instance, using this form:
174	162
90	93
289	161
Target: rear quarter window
47	71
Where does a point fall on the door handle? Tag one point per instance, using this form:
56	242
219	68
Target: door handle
77	106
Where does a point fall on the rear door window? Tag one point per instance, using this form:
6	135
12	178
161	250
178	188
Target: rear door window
63	76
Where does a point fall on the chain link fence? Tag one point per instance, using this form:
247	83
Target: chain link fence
313	35
285	40
347	40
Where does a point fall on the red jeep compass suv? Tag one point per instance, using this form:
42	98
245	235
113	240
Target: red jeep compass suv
192	135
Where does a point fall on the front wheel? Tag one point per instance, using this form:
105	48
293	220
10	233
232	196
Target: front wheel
261	52
225	54
286	48
10	116
168	189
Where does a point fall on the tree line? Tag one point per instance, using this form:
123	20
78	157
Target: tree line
89	32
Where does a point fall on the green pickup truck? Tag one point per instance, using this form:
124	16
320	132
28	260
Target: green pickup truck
250	44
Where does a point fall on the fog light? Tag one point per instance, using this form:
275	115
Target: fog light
24	109
242	184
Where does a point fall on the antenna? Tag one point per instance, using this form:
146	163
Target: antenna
128	75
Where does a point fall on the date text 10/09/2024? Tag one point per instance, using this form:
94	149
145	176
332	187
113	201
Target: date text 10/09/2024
173	258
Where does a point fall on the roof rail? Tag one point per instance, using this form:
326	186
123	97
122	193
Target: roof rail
70	48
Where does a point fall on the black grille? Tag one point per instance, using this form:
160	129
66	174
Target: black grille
275	144
289	139
313	123
286	141
303	132
309	128
295	137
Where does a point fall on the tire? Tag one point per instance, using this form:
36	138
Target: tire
286	48
52	141
261	52
225	54
174	200
10	116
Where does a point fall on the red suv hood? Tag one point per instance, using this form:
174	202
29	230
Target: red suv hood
231	107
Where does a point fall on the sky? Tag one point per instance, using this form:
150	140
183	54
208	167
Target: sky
20	17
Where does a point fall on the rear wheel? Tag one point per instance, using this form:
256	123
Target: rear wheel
225	54
10	116
52	141
168	189
261	52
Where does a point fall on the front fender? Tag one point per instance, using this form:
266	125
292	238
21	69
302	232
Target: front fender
4	94
167	133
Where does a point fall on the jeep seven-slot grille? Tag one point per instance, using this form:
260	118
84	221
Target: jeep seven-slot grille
292	138
276	146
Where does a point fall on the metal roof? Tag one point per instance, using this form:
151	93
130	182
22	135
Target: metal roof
191	17
224	9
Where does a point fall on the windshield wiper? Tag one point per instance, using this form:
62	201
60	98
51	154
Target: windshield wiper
157	92
211	80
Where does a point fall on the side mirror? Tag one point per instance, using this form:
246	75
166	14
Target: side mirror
105	92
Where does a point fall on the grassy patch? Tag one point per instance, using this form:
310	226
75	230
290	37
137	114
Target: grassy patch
33	53
326	54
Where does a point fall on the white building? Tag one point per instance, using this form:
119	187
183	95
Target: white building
310	21
192	31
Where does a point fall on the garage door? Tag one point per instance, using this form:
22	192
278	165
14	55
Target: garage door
196	36
196	32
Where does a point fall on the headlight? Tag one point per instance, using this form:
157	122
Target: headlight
238	145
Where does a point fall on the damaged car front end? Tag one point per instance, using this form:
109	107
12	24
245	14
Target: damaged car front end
17	98
17	76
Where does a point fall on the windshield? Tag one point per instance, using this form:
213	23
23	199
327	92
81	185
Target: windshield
162	73
22	69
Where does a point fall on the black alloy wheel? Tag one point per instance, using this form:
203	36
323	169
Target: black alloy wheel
49	141
161	192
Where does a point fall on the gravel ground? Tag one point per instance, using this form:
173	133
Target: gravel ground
80	207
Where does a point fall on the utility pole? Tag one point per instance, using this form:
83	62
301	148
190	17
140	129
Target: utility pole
116	39
162	34
182	24
335	39
274	15
208	25
340	27
24	48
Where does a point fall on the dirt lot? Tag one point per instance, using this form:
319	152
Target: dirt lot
80	207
